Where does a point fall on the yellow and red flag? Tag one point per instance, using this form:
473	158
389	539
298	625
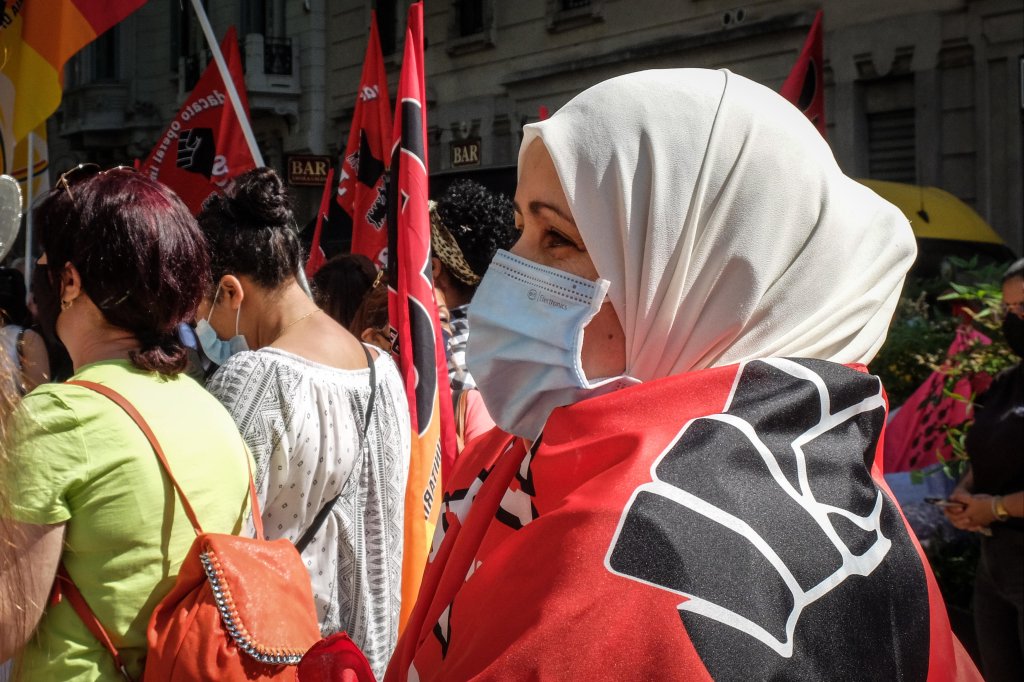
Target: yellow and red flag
37	37
413	313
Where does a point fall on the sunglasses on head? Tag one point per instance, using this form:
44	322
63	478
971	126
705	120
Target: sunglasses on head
84	171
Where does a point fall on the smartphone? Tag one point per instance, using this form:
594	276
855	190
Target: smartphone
944	503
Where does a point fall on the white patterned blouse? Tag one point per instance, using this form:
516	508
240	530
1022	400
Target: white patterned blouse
303	422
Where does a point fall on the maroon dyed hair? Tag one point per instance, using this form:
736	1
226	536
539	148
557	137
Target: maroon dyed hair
141	256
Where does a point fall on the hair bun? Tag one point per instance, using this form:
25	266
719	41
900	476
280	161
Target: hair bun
258	198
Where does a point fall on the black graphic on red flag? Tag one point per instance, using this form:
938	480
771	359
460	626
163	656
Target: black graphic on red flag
204	147
807	547
413	313
362	180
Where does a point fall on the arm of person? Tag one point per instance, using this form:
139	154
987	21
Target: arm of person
979	511
478	419
958	516
35	368
28	565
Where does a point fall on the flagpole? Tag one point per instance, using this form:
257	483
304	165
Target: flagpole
30	180
229	82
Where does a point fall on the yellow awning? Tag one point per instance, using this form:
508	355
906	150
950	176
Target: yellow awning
944	216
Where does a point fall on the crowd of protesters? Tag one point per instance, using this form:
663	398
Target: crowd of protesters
657	360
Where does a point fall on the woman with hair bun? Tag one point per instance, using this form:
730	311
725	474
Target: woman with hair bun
326	418
124	264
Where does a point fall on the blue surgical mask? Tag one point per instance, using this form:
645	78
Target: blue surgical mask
214	347
525	338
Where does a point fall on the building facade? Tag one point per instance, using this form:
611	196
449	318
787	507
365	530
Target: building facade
927	92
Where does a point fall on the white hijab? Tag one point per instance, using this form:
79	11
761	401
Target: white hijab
725	226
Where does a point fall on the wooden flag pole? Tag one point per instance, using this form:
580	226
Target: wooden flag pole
229	83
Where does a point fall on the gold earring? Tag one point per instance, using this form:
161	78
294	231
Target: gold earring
65	305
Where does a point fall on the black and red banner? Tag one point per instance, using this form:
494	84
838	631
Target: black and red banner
728	524
413	313
805	85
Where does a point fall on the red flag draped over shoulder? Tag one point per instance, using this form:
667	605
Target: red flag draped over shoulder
413	314
204	147
731	523
805	85
362	184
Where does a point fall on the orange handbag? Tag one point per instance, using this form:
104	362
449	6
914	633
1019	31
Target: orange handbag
241	609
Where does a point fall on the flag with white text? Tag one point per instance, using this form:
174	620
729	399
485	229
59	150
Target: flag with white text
413	314
204	147
362	183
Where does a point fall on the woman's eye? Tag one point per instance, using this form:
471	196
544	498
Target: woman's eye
556	239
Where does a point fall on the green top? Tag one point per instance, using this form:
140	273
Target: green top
80	459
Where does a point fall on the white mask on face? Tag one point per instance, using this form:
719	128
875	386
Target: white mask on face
214	347
525	339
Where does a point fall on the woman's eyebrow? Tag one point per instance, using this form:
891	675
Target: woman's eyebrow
537	206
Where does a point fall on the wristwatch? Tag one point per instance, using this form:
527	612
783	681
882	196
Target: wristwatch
999	509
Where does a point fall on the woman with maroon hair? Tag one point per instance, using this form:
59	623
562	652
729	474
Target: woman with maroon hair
125	264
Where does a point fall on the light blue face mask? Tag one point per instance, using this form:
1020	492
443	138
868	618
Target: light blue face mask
214	347
525	338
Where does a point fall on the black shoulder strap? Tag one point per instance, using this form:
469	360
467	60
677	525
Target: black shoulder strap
321	516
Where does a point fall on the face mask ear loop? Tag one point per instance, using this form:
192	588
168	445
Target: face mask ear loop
215	295
238	316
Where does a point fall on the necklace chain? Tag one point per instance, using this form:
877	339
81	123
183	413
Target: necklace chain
294	322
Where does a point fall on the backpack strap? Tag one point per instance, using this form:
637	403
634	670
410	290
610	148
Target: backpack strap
123	403
66	587
321	516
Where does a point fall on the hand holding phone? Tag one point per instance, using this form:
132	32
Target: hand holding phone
942	502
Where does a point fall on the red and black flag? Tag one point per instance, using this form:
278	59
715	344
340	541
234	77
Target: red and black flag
317	258
204	147
362	185
413	313
725	524
805	85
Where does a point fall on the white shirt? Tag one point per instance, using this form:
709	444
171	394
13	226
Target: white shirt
303	423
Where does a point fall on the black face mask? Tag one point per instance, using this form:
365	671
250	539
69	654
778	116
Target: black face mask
47	300
1013	332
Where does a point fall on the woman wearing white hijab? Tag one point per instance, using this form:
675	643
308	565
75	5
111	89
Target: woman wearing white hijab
687	231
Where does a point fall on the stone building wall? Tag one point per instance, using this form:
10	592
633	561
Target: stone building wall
921	91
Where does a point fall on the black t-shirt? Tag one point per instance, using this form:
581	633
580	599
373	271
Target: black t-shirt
996	441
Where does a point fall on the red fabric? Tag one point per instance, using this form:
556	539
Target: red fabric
316	254
915	436
527	581
362	182
204	147
335	659
103	14
413	313
805	85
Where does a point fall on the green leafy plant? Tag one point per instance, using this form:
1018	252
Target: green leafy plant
981	294
918	333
